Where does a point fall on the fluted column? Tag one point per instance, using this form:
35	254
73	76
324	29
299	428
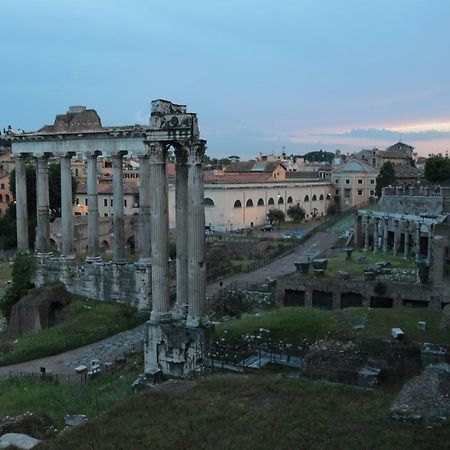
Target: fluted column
118	217
21	204
417	242
93	252
395	237
406	246
385	235
196	233
43	207
144	209
366	234
181	207
66	205
375	235
159	232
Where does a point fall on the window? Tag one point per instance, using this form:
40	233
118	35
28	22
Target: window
237	204
347	181
280	200
372	192
105	202
347	193
77	201
372	181
360	181
336	180
329	196
306	198
1	198
85	201
209	202
289	200
314	198
260	202
360	192
321	197
111	202
249	203
336	191
105	214
271	201
76	172
2	186
125	202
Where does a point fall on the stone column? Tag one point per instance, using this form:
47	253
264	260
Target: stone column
358	231
181	205
396	237
144	210
366	234
118	219
385	235
406	247
375	234
196	233
43	207
438	260
66	205
159	233
93	253
430	245
21	204
417	242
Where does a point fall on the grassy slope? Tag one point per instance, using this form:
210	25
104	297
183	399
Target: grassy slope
87	321
294	324
5	275
254	412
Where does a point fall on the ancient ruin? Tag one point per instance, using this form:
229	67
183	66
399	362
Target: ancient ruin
177	336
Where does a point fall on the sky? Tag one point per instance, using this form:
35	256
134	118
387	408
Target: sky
263	76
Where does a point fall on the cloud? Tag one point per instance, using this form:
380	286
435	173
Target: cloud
388	134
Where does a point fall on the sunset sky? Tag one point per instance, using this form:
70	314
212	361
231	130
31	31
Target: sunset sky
262	75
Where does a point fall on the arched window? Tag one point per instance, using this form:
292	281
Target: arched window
237	204
7	198
289	200
209	202
271	202
1	198
314	198
321	197
328	196
260	202
249	203
306	198
280	200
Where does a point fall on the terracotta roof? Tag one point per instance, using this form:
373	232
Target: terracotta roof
403	171
247	177
129	187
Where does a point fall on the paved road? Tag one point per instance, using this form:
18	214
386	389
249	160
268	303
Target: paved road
315	245
61	363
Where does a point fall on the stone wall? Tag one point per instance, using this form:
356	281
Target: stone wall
411	204
126	283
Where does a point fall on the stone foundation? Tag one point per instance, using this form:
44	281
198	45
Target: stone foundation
175	349
128	283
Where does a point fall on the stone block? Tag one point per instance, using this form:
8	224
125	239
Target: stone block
422	325
368	377
18	440
81	369
397	333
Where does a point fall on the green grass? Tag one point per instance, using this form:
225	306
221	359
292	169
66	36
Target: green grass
87	321
244	264
254	412
294	324
5	275
337	263
19	395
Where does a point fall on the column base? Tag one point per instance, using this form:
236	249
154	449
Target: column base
156	318
175	349
193	322
44	255
93	259
119	261
180	311
145	262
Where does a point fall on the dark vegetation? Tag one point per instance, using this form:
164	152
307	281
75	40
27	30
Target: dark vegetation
386	177
437	168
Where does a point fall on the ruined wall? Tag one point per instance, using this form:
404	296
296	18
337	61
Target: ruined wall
125	283
411	204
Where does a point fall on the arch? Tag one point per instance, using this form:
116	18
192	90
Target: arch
1	198
271	201
306	198
130	245
54	313
260	202
289	200
7	198
249	203
314	198
328	196
104	246
237	204
280	200
209	202
321	197
53	245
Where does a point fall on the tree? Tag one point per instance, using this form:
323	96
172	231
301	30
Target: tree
8	221
275	216
386	177
296	213
437	168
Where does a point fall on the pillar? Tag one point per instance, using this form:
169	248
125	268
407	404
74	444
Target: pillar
366	234
93	252
375	235
417	242
181	208
21	204
159	232
438	260
358	231
385	235
196	233
118	216
396	237
430	245
66	205
144	209
406	247
43	207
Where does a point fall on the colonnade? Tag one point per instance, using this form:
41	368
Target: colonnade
153	220
405	237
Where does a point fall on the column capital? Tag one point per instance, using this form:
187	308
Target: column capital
22	156
196	151
68	155
119	155
45	155
93	155
157	152
181	154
